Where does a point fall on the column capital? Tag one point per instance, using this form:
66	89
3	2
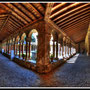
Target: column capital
28	39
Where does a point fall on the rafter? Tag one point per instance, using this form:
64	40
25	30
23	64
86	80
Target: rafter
32	9
25	11
12	24
76	26
73	15
78	21
60	11
39	8
74	21
16	24
16	10
14	18
70	12
27	25
14	13
74	18
75	31
4	23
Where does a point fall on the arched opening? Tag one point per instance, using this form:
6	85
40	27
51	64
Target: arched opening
54	46
64	47
51	48
17	46
23	44
4	47
33	44
60	45
10	46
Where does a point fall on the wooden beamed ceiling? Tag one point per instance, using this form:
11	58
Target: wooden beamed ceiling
72	18
14	16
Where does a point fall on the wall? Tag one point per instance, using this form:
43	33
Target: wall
87	41
80	47
0	47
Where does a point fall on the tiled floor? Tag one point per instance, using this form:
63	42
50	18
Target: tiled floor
74	73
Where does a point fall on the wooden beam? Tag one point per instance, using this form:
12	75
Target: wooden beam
64	9
29	13
51	23
17	20
74	18
25	11
26	26
78	21
76	25
76	10
39	8
17	24
14	13
32	9
16	10
74	21
12	24
48	11
73	15
4	15
4	23
75	31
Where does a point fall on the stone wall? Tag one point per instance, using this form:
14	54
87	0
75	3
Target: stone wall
87	41
80	47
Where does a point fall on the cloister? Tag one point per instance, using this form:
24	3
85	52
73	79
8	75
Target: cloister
42	36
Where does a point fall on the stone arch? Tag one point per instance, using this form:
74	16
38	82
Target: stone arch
60	38
55	35
53	45
17	38
33	40
23	36
31	32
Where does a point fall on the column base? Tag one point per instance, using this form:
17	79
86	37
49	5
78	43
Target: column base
43	68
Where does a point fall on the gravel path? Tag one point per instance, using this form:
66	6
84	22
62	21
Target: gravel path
74	73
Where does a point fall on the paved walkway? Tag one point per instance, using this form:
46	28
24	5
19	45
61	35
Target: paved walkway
74	73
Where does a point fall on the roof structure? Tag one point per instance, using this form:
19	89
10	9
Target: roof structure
71	18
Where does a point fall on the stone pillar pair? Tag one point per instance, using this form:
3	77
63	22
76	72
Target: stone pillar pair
28	47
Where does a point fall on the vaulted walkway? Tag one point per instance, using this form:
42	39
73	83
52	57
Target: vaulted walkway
75	73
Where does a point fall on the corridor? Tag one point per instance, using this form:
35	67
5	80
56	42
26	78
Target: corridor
74	73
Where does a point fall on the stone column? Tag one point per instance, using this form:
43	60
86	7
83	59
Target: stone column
26	48
14	47
68	48
57	50
53	49
22	49
60	49
43	56
19	48
29	49
65	47
8	48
